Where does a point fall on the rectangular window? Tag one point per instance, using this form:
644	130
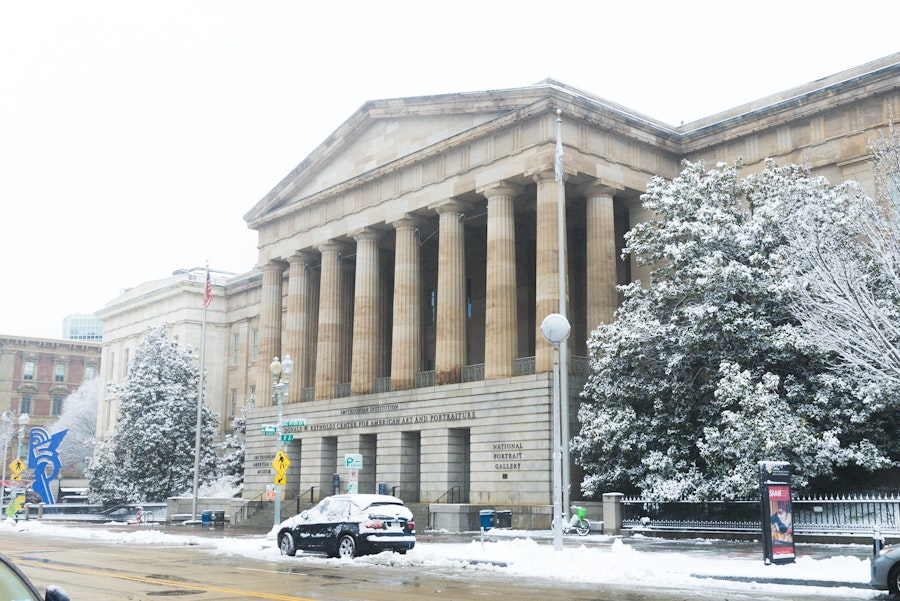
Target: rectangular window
235	346
254	345
25	405
253	394
432	307
233	402
57	405
89	372
28	370
111	370
125	364
59	372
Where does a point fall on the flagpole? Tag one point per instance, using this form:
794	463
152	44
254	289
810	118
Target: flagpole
207	298
563	346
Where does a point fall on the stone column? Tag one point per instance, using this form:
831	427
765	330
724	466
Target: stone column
501	341
450	353
366	307
406	341
269	329
328	343
297	342
602	296
547	267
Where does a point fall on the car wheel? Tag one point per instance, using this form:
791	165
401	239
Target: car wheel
347	547
894	580
286	544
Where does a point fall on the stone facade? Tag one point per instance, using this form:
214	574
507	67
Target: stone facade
407	263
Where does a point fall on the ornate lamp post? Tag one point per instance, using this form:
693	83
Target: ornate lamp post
555	328
279	394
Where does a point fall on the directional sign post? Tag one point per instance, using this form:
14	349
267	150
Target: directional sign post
294	422
269	430
287	438
353	462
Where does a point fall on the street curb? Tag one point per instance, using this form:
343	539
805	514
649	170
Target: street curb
787	581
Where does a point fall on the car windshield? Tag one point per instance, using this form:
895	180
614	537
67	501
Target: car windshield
12	587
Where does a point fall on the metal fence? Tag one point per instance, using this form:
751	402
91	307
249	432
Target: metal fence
848	514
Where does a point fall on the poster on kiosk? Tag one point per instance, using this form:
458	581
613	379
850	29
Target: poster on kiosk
777	513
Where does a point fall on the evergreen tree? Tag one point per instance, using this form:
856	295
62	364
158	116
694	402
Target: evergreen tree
705	372
150	455
233	446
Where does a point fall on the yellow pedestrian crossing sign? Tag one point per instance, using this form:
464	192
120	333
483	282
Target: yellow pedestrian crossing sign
17	466
280	479
281	463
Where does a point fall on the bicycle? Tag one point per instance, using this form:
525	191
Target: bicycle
577	523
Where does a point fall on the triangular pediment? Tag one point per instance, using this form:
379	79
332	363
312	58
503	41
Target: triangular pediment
384	131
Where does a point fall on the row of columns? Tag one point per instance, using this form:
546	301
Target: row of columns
321	364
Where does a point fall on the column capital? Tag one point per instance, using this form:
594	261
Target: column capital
332	246
600	187
450	205
546	176
367	233
501	188
407	220
301	256
273	265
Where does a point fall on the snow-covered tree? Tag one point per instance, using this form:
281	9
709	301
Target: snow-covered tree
233	447
150	454
79	417
705	372
847	280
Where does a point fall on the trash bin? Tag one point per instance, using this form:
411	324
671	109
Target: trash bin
504	519
219	519
206	517
487	518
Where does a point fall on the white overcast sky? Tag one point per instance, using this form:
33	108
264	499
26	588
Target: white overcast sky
134	135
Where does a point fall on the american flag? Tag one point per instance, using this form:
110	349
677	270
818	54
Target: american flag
207	293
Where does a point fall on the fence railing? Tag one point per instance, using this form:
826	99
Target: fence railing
811	515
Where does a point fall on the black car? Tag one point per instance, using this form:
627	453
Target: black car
350	525
14	585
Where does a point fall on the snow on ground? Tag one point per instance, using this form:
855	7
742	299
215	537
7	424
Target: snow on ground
520	554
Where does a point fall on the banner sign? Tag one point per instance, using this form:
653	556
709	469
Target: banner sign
777	512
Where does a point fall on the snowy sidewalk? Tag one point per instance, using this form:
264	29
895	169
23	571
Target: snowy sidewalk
836	571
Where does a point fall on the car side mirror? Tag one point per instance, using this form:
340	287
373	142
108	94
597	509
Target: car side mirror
55	593
304	514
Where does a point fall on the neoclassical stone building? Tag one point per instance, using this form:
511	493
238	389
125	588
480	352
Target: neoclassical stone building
407	263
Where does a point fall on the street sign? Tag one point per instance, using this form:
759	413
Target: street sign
17	466
280	479
293	422
281	463
287	438
353	461
270	430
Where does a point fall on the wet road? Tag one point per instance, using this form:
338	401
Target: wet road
103	571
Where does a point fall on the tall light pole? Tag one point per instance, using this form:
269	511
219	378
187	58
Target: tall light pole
23	421
555	328
6	420
561	274
279	393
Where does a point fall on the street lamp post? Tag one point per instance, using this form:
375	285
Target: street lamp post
555	328
23	421
6	420
279	393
